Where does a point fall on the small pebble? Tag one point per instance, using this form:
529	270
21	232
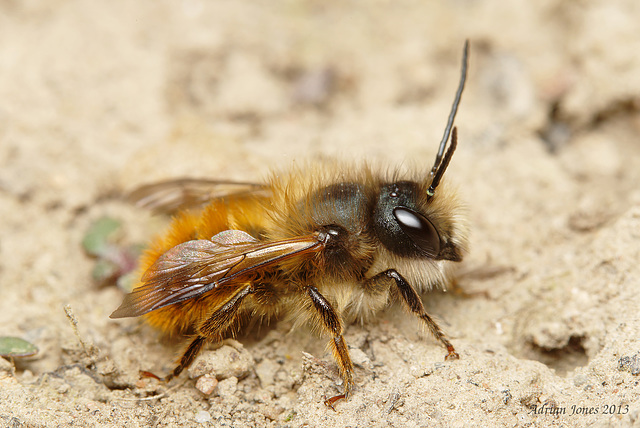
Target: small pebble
202	417
206	384
224	362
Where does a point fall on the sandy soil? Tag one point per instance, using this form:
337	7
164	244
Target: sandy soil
99	97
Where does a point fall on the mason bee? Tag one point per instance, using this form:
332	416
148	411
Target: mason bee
326	243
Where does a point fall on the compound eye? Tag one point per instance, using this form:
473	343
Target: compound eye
420	230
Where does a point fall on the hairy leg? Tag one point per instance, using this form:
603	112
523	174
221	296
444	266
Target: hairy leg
412	301
333	325
211	329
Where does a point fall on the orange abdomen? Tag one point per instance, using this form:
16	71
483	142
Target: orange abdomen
240	213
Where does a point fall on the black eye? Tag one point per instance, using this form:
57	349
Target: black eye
419	230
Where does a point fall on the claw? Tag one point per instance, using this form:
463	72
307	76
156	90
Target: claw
144	373
330	401
452	354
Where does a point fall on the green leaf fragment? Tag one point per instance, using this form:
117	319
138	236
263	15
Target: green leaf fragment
96	240
16	347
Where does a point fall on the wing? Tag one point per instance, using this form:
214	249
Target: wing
191	269
171	195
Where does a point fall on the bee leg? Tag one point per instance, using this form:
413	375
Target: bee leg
211	329
332	323
413	302
187	358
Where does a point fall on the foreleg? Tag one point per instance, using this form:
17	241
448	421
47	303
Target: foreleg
412	301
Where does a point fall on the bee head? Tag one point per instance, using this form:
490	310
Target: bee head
411	224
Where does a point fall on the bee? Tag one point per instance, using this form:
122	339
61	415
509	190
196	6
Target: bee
326	244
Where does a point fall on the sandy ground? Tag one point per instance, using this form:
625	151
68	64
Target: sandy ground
99	97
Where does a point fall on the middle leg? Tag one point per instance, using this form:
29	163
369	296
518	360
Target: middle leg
332	323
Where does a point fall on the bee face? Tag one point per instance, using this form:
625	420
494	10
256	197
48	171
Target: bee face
318	242
400	226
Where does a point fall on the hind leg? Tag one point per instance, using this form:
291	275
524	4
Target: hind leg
212	329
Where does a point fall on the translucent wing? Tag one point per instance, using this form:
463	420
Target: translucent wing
172	195
191	269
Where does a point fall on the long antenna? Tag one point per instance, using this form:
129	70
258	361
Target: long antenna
452	115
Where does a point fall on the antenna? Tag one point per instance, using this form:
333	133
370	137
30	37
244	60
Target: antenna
439	165
444	164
